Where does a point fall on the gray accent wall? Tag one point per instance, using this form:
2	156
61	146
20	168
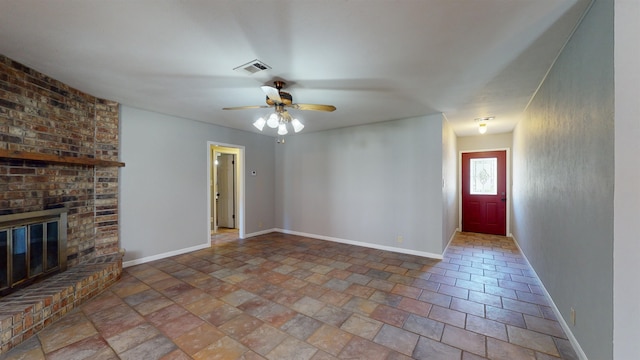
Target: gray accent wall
163	194
563	181
369	184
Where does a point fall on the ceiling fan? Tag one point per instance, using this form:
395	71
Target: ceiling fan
280	101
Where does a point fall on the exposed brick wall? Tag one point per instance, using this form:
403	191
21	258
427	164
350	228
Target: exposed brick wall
40	114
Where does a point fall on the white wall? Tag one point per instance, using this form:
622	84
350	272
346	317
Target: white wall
563	182
163	187
449	183
485	142
367	184
626	292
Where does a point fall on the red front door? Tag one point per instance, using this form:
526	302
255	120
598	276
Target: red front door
484	192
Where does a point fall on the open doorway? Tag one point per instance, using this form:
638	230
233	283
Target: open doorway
225	192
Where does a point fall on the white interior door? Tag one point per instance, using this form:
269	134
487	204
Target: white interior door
225	202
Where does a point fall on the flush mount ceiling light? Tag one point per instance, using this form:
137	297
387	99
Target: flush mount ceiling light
482	123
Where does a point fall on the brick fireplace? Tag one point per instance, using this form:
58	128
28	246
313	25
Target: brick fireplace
59	149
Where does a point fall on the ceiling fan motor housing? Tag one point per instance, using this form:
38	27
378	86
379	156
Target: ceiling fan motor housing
286	98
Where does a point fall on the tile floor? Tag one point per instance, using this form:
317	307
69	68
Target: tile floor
282	297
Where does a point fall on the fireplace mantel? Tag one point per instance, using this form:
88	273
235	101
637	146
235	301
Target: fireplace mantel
71	160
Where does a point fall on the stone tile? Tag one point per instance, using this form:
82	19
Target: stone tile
336	298
199	338
469	307
93	347
532	340
484	298
389	315
134	299
500	350
487	327
223	348
332	315
132	337
221	314
465	340
414	306
204	305
448	316
435	298
154	348
358	348
453	291
544	326
308	306
179	325
397	339
386	298
360	305
337	284
166	314
237	297
301	326
103	301
435	350
380	284
275	314
521	306
359	290
505	316
147	307
77	327
362	326
566	349
425	327
292	349
176	354
329	339
240	326
263	339
407	291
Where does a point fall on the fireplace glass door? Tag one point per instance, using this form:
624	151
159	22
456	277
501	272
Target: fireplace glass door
30	249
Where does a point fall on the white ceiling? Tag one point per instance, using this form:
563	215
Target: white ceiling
375	60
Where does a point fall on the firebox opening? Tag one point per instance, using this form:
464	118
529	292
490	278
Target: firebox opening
33	245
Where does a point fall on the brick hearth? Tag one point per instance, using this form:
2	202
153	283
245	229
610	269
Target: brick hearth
29	310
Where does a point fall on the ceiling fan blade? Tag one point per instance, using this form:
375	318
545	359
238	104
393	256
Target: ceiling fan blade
247	107
272	93
314	107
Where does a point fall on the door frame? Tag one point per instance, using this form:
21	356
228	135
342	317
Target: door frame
508	175
238	150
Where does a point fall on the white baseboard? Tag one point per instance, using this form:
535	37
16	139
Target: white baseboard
261	232
363	244
146	259
457	230
556	311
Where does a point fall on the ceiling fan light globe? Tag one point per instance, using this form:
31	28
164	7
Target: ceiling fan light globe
482	128
297	125
259	124
282	129
273	121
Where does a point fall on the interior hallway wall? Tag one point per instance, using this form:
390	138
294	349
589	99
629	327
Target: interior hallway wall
563	181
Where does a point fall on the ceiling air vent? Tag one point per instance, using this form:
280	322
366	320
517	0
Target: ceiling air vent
252	67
